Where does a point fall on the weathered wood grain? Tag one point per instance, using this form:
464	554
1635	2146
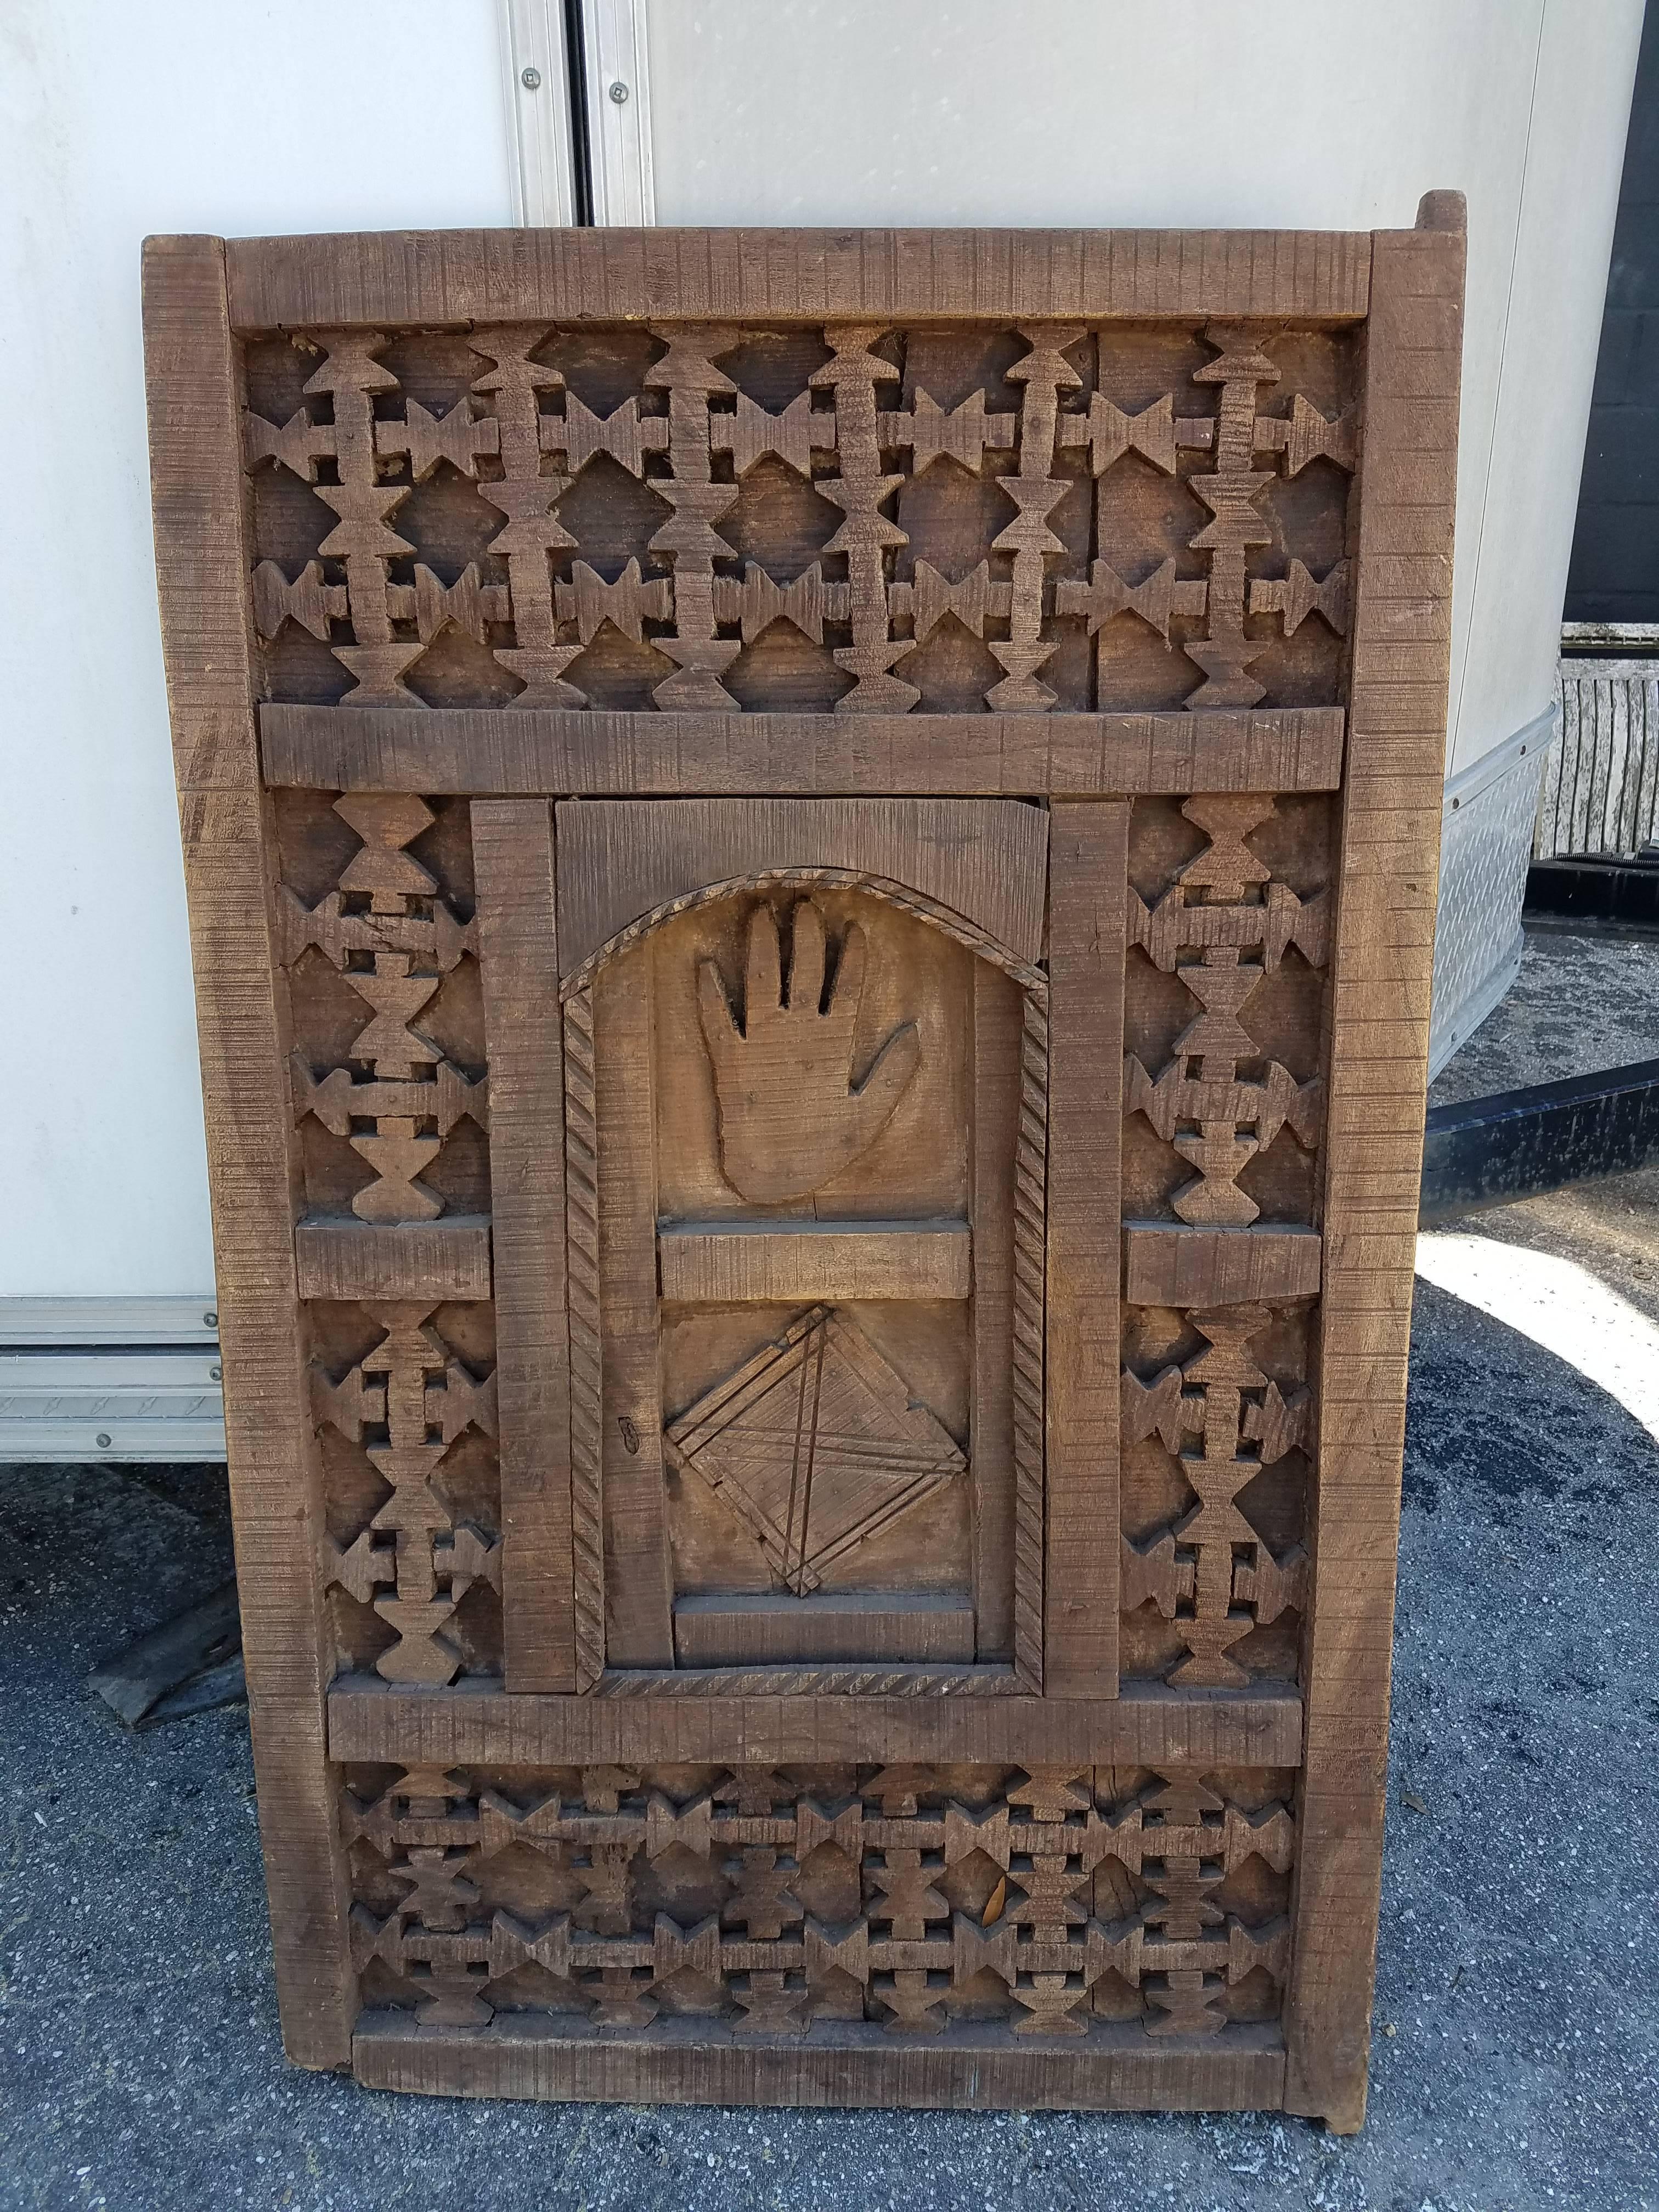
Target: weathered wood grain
1087	849
430	1260
474	1725
513	855
1169	1264
623	859
718	1629
599	755
805	1261
201	558
778	276
807	1062
964	2071
638	1600
1383	977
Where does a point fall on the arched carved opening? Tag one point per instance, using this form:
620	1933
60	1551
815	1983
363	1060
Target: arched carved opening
805	1155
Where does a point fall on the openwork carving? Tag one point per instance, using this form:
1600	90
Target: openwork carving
693	467
817	1445
1052	1902
1220	928
403	1404
394	939
791	1118
1210	1572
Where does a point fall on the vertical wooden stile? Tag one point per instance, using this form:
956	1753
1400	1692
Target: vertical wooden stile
1087	849
513	855
1383	977
202	564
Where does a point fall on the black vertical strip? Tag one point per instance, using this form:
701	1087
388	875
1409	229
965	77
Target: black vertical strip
581	150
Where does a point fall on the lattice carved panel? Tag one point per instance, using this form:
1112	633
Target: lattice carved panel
379	947
1051	1903
709	518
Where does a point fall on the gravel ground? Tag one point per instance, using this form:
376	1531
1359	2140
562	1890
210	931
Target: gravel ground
1516	2053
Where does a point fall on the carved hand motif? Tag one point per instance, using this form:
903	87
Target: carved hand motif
790	1119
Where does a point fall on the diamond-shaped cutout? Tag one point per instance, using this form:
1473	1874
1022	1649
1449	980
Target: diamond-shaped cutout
815	1444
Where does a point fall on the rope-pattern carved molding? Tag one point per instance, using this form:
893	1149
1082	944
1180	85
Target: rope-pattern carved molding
813	1681
1030	1180
1029	976
581	1187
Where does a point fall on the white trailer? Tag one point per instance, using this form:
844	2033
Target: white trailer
226	117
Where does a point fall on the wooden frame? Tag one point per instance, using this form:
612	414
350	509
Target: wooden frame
1043	751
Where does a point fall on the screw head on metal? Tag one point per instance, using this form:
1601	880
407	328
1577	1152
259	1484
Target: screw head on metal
216	1374
530	79
619	92
103	1440
210	1319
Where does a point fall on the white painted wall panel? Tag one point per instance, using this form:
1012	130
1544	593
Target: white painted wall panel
118	119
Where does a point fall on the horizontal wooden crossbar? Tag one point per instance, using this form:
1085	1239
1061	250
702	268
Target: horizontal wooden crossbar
720	1260
1152	1726
700	2062
588	753
778	276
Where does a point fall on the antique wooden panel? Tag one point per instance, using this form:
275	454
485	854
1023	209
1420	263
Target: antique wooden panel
812	865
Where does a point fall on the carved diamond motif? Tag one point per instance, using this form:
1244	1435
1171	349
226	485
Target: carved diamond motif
816	1445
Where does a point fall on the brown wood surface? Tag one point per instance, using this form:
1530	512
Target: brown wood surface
276	1489
1169	1264
736	1630
621	859
746	1222
1088	860
719	1263
513	855
1385	970
638	1591
430	1260
780	275
998	1027
963	2072
529	749
1147	1726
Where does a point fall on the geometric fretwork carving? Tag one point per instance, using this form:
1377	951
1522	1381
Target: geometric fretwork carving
1210	1572
1232	490
394	939
379	597
1043	1900
816	1445
1221	926
790	1118
403	1404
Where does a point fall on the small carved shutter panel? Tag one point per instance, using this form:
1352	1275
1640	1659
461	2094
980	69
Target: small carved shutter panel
805	1144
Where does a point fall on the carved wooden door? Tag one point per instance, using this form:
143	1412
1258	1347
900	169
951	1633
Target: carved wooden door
812	862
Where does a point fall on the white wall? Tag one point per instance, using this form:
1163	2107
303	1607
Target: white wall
119	118
1327	114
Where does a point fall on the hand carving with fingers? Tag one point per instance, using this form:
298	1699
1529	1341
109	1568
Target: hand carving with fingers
790	1118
